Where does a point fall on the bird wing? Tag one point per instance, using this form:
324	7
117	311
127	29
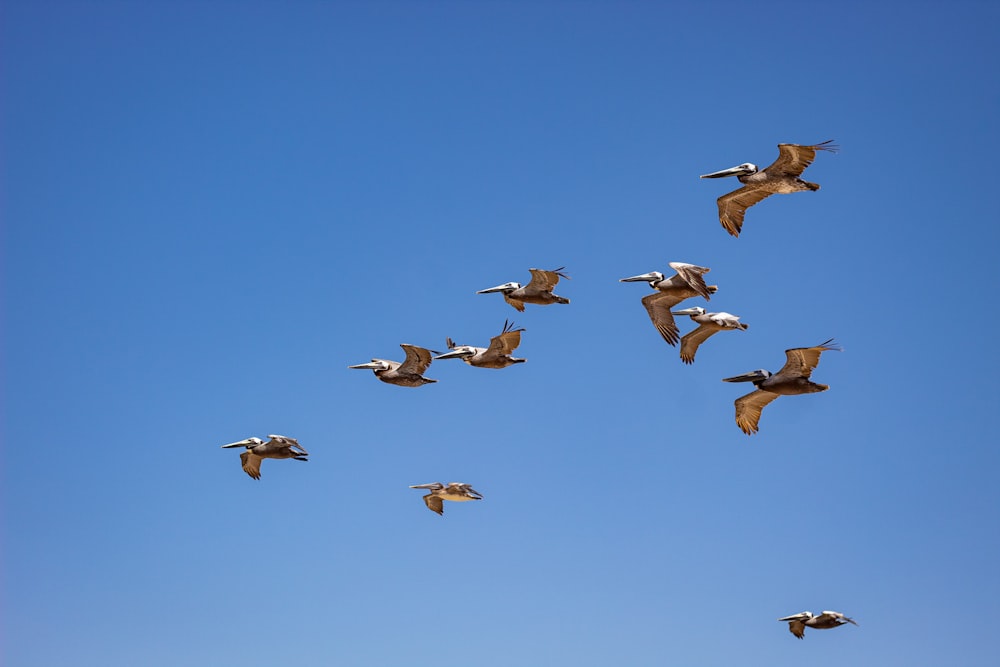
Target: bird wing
797	628
733	206
286	442
506	342
544	281
691	341
450	343
251	464
802	360
417	359
793	158
519	305
434	503
833	616
470	492
692	275
658	306
749	407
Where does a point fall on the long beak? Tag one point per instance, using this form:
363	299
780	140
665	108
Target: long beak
241	443
732	171
795	617
644	278
371	365
432	485
455	354
746	377
686	311
498	288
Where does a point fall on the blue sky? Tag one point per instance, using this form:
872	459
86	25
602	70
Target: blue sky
211	209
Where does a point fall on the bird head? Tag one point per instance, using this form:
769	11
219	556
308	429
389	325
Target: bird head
652	278
744	169
506	287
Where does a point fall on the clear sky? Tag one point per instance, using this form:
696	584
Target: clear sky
211	209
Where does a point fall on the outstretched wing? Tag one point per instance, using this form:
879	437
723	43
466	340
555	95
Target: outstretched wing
506	342
251	464
793	158
519	305
749	407
692	275
434	503
417	359
544	281
658	306
285	441
797	628
733	206
802	360
691	341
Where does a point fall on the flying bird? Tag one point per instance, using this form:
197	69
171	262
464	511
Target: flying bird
537	291
781	178
456	491
686	283
277	447
709	324
792	379
410	373
797	623
497	355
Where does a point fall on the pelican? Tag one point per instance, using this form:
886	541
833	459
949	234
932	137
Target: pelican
686	283
277	447
797	623
780	178
410	373
538	291
456	491
497	355
709	324
793	378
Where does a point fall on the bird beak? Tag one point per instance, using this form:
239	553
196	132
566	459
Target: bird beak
686	311
454	354
241	443
644	278
498	288
746	377
732	171
422	486
793	617
372	365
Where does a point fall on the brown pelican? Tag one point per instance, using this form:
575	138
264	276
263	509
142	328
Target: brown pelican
278	447
456	491
793	378
686	283
708	325
797	623
410	373
497	355
538	291
780	178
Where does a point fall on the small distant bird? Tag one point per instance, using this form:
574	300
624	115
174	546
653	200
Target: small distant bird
277	447
456	491
797	623
780	178
792	379
537	291
410	373
686	283
709	325
497	355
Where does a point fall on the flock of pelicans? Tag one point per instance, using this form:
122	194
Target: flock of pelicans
782	177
